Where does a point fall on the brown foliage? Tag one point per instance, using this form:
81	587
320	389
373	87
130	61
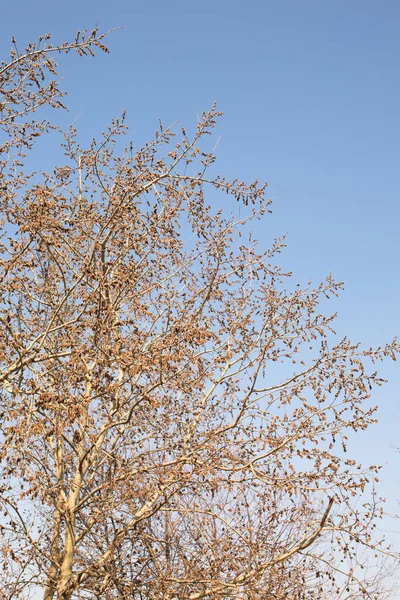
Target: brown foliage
174	413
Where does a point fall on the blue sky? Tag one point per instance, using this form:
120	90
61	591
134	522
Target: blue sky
311	96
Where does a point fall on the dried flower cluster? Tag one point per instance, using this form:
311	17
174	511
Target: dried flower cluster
174	414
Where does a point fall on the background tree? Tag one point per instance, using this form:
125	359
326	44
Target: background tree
174	412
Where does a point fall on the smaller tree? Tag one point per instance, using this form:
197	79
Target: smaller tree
174	420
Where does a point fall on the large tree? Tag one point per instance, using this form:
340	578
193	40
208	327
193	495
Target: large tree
174	412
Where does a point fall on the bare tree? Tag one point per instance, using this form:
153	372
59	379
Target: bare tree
174	411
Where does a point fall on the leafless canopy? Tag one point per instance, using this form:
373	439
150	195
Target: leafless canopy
174	412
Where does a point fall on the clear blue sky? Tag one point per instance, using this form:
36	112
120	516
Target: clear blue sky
310	91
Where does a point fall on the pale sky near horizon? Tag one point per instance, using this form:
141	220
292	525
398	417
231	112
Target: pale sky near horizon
310	92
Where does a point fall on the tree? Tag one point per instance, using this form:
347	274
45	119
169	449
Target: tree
174	412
